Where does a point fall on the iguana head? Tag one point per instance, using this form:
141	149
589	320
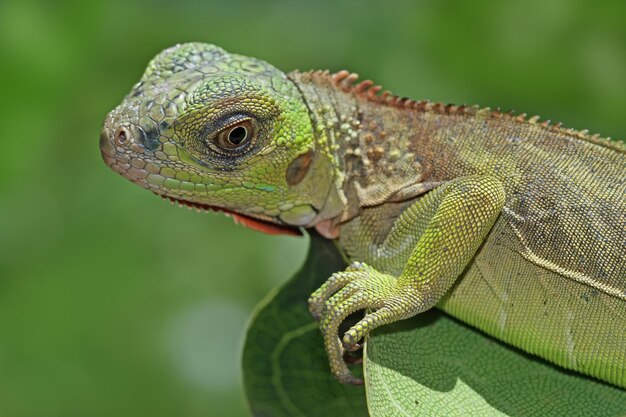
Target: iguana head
214	130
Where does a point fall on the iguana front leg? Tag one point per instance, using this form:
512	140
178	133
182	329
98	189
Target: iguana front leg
451	222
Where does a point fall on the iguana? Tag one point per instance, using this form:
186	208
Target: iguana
515	226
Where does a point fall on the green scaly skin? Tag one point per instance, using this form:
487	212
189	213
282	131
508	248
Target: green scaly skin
514	226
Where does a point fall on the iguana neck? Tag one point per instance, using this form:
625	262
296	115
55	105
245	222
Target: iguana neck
370	139
335	119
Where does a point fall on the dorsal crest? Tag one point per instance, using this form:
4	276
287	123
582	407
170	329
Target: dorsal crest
347	82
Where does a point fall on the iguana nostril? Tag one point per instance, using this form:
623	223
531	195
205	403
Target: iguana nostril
122	136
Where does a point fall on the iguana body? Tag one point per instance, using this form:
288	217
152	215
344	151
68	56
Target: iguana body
511	225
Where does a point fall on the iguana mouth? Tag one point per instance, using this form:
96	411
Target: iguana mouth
246	221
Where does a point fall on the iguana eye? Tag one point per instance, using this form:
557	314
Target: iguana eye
236	136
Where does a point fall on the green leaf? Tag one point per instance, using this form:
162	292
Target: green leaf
434	365
285	367
429	365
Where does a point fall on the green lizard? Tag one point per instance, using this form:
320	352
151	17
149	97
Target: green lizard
515	226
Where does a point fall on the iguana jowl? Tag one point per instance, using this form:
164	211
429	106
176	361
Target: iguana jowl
514	226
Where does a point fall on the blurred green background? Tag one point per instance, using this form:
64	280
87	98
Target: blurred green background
113	303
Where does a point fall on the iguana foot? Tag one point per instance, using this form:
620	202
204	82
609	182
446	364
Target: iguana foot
358	287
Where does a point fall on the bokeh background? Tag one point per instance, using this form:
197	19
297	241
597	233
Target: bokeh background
113	303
